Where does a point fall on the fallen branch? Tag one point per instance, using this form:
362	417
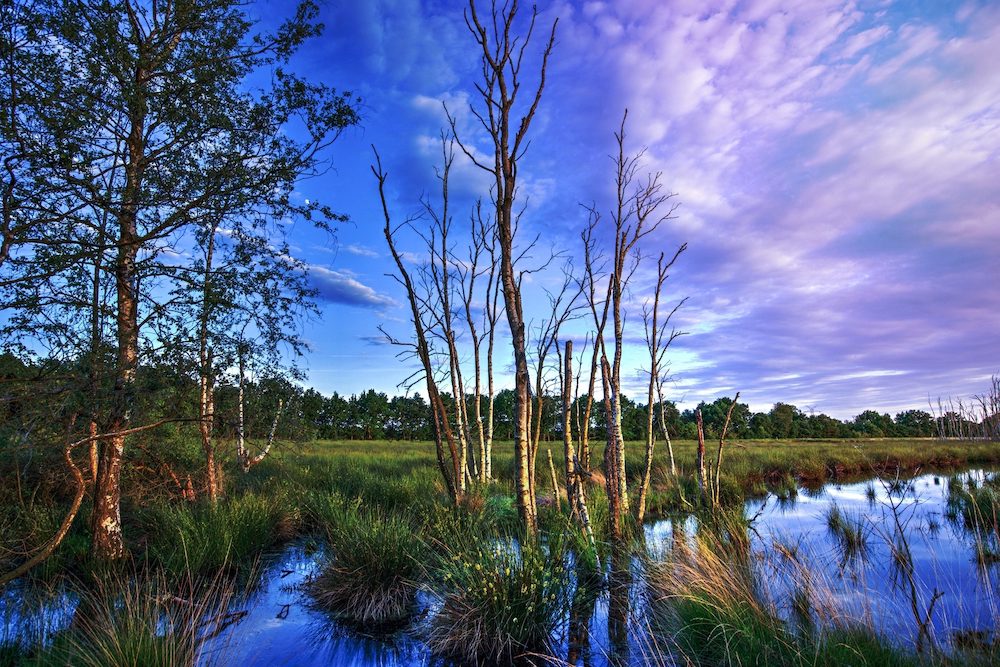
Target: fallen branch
67	522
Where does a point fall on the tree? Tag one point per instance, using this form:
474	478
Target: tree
657	345
914	424
152	98
782	417
872	424
501	57
640	207
714	416
419	347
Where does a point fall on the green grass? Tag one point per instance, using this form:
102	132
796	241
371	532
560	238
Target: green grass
145	621
374	568
850	535
499	600
204	539
383	511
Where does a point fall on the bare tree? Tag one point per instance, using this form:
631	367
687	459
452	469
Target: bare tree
502	54
717	477
640	207
657	346
439	276
563	304
468	275
443	435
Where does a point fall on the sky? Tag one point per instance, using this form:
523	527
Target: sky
837	166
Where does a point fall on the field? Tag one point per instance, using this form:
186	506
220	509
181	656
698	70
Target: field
380	513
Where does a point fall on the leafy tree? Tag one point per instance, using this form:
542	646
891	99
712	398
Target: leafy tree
872	424
783	417
915	424
152	132
714	416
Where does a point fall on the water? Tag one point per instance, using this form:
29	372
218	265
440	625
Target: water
281	626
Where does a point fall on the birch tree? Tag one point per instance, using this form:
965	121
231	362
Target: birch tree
657	343
152	95
502	54
641	206
449	462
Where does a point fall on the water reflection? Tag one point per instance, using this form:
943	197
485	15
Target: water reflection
807	567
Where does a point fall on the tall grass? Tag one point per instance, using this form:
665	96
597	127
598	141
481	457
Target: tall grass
204	539
142	622
708	609
373	572
499	600
850	535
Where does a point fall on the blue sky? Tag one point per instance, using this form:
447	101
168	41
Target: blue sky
836	163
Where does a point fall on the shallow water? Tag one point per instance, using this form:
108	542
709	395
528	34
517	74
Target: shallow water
281	627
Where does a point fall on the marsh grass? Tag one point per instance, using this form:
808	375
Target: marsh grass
708	608
383	511
204	539
499	600
373	573
148	622
850	535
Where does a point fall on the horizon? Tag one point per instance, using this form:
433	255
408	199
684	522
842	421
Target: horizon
835	166
836	170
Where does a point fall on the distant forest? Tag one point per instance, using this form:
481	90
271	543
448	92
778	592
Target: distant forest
304	414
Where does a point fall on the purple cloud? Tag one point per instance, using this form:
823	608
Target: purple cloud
836	162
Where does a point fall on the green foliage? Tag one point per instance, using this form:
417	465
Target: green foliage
203	539
374	568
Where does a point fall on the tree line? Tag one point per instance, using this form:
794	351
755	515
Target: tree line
307	414
373	415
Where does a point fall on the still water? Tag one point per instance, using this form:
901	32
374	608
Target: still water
281	627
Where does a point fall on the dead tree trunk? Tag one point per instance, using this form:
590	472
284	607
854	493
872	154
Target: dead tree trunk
611	472
568	449
501	58
663	427
657	347
700	458
717	495
443	435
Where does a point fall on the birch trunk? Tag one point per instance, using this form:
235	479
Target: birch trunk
700	460
568	449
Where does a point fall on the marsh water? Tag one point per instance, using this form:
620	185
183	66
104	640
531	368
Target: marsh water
282	627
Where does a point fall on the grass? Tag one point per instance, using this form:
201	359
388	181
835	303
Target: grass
974	507
708	608
204	539
373	573
147	621
850	535
499	600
